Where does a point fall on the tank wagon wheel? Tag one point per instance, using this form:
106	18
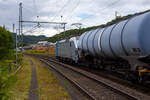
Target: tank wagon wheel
89	65
96	66
101	67
143	79
128	76
72	62
140	80
112	68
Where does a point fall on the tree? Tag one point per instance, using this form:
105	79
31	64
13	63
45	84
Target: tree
6	42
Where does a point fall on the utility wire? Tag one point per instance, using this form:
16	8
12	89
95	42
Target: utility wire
35	7
61	9
102	9
78	3
32	29
113	3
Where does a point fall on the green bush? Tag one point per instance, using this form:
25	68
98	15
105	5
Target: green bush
6	81
6	43
7	56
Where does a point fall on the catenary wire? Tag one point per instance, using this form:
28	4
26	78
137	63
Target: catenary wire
78	3
60	10
102	9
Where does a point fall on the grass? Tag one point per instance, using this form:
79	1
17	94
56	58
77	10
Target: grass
7	78
6	81
40	52
66	84
49	87
37	52
21	88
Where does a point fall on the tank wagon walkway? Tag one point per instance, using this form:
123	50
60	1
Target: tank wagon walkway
33	93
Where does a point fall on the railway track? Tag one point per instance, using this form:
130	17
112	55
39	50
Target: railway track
94	86
136	92
71	80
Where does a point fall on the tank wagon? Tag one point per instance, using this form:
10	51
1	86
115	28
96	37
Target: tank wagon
124	46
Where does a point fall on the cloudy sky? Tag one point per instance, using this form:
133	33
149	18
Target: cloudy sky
87	12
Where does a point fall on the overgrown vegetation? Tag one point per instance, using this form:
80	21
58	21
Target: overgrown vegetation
7	59
49	87
36	52
75	32
6	81
43	52
19	91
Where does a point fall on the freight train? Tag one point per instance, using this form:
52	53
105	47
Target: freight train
123	47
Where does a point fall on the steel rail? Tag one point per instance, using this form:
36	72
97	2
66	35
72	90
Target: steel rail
98	81
71	80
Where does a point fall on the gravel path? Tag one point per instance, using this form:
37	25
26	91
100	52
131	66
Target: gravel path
33	92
